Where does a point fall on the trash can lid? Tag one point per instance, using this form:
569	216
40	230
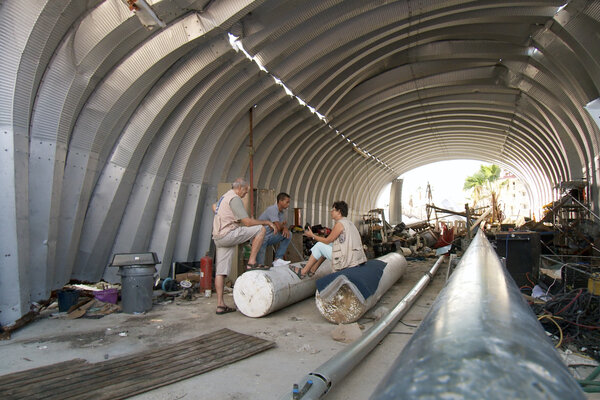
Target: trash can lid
126	259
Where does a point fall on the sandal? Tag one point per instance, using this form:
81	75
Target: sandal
310	274
252	267
224	310
297	271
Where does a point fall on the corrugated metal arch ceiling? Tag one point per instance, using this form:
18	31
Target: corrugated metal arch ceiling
125	132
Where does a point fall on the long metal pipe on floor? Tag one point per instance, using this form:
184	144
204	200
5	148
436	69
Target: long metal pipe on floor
480	340
317	383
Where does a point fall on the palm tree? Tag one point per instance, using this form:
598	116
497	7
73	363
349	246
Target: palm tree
485	183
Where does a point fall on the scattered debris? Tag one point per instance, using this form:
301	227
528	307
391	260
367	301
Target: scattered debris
346	333
80	311
5	331
307	348
377	313
571	319
90	308
187	294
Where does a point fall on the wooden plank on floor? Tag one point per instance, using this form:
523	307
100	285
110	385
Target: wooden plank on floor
17	378
133	374
54	380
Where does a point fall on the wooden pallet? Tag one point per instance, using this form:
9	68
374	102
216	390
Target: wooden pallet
130	375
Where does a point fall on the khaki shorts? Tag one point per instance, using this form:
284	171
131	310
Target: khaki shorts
226	245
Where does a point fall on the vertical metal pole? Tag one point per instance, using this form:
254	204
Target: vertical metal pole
251	152
396	201
468	221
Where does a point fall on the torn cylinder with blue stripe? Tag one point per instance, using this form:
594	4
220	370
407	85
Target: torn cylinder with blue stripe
345	296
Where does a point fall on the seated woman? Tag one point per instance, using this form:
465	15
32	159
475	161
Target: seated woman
343	246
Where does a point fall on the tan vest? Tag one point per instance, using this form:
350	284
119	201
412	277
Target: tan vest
225	220
347	248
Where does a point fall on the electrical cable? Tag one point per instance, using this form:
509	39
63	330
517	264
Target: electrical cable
529	279
575	314
553	282
558	326
571	302
581	325
409	325
588	384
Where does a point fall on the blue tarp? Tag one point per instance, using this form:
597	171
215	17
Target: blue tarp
365	277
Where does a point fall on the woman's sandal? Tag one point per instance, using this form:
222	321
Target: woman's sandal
297	271
252	267
310	274
224	310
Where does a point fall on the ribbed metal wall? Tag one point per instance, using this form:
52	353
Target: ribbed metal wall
114	137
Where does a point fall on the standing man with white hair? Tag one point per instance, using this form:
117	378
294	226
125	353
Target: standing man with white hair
233	226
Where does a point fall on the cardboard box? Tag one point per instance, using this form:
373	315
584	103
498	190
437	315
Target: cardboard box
190	276
295	251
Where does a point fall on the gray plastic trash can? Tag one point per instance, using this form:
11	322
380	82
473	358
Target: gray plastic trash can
137	280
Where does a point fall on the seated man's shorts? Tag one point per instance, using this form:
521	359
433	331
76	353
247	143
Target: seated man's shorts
226	245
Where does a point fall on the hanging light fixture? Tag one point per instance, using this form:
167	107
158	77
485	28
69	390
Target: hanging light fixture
145	13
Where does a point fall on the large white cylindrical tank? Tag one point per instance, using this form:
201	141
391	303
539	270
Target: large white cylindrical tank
258	293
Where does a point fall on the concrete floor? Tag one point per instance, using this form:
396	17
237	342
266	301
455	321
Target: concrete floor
302	335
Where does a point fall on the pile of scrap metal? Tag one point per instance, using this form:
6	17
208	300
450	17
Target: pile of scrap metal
575	228
375	233
426	238
568	252
473	216
423	238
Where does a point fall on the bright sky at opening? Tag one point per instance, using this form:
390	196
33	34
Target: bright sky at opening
446	179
